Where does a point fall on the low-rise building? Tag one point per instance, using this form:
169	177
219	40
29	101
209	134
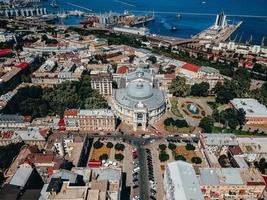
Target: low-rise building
84	184
97	120
5	98
214	145
231	183
13	121
164	81
255	112
90	120
190	70
102	83
71	119
31	137
180	182
53	73
70	147
210	75
26	183
45	163
132	30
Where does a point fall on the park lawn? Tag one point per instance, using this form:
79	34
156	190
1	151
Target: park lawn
236	132
214	105
98	152
174	107
118	152
181	150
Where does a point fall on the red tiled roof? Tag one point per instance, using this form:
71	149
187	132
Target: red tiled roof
61	122
22	65
44	132
5	51
50	171
42	158
170	76
70	113
191	67
122	70
33	148
171	67
236	150
6	134
27	118
265	180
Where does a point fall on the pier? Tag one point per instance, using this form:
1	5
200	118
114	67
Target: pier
197	14
143	20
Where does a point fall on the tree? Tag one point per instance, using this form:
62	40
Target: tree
62	97
119	157
190	147
96	101
98	145
109	145
114	85
162	147
224	161
172	146
28	101
243	78
163	156
196	160
175	123
206	123
201	89
114	67
180	157
179	88
261	165
152	59
131	58
119	147
226	92
103	157
232	117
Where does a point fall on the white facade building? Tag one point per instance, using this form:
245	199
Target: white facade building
132	30
181	183
139	103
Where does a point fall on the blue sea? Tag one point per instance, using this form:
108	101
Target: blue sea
187	25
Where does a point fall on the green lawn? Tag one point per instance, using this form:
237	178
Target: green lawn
214	105
236	132
174	107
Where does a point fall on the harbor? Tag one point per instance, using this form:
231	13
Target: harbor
219	32
55	12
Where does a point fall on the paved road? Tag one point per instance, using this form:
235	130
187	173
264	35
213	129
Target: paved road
143	177
139	143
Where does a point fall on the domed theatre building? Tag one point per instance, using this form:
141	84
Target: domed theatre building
139	103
